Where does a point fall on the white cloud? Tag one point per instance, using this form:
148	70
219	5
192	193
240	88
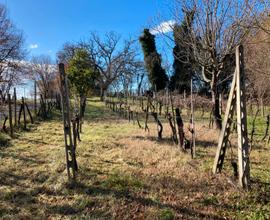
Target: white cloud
164	27
33	46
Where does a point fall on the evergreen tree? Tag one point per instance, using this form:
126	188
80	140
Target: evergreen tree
82	76
183	61
152	59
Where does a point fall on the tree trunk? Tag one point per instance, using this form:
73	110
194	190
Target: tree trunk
262	106
140	85
102	94
82	106
216	109
215	102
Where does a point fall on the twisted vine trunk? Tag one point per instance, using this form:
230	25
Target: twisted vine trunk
82	110
160	127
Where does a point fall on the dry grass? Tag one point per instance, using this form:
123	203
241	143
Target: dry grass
124	173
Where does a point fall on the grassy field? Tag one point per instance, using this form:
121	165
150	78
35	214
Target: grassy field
125	173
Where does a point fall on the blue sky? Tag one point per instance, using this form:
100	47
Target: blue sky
48	24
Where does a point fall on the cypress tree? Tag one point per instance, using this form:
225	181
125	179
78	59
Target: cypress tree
152	60
182	65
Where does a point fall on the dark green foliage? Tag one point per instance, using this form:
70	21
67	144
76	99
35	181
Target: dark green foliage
152	59
81	73
183	68
228	70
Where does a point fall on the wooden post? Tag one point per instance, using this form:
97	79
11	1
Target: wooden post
29	113
24	115
42	107
15	107
75	131
243	148
10	116
172	109
20	113
147	113
193	147
35	98
236	99
69	147
226	129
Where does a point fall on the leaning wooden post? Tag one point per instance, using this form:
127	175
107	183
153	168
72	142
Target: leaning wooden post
35	98
15	107
69	147
236	100
226	129
29	113
10	116
24	115
243	148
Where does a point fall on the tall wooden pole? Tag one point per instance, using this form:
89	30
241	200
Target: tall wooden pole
237	99
35	98
243	148
10	116
69	144
24	115
226	128
15	107
193	148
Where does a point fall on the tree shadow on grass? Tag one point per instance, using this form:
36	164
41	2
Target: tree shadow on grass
94	112
164	140
33	141
28	160
129	197
206	144
262	190
7	178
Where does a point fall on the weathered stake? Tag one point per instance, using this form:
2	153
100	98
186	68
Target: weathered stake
35	98
10	116
24	115
243	148
15	107
193	145
236	99
69	144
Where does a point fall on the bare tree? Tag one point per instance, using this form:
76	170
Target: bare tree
141	76
67	52
11	52
44	72
260	11
10	77
218	27
110	58
258	66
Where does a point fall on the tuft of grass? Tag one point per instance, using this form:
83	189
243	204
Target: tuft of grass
166	214
211	200
4	140
122	182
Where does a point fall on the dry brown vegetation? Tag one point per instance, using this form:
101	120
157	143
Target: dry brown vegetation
125	173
